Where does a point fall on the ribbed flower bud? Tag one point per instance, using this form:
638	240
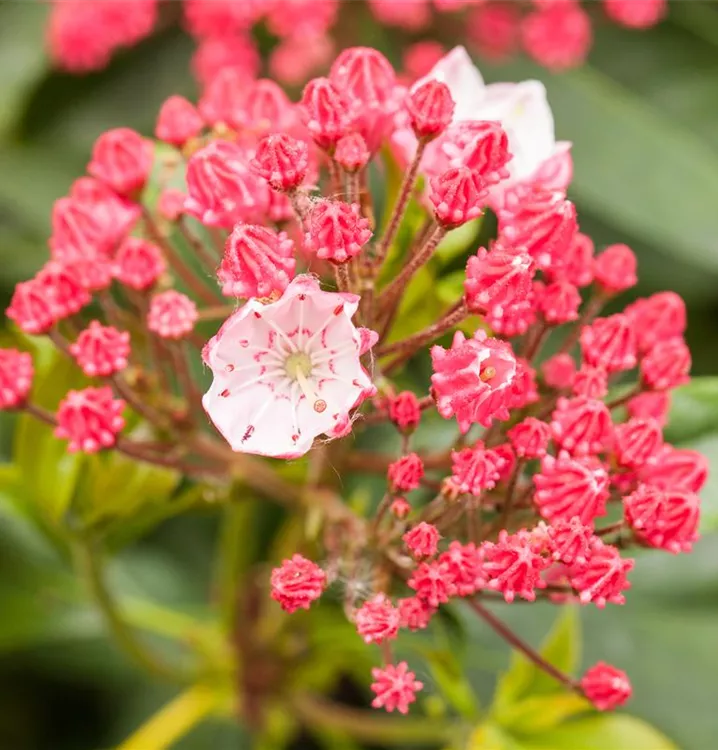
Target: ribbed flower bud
282	161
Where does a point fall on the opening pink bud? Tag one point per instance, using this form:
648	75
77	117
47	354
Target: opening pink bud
430	108
282	161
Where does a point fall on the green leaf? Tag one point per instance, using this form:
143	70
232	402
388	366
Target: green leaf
524	679
447	671
539	713
22	57
458	242
694	410
612	731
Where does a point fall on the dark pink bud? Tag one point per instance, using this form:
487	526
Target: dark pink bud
568	487
557	35
637	441
405	411
678	469
257	262
475	469
336	231
172	315
364	74
650	405
636	15
377	620
666	365
90	419
430	108
325	111
282	161
122	159
422	540
16	374
351	153
480	145
223	100
530	438
138	263
558	302
296	583
498	278
605	686
30	308
615	269
458	196
178	121
570	540
662	316
62	286
559	371
406	473
602	579
513	566
610	343
590	382
582	426
101	350
664	519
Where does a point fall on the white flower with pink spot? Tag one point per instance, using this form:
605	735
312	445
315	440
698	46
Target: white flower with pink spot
288	371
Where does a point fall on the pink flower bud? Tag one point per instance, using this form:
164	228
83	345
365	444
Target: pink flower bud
62	287
605	686
178	121
458	196
498	278
171	204
480	145
433	582
664	519
666	365
636	15
404	411
257	262
30	308
475	469
637	441
662	316
430	108
90	419
559	371
422	540
414	613
282	161
582	426
406	473
377	620
325	111
363	74
558	302
351	153
570	540
615	269
568	487
650	405
420	57
138	263
530	438
590	382
336	231
601	579
541	221
16	374
222	188
101	350
400	508
465	568
172	315
395	687
494	28
223	100
122	159
297	583
557	35
577	263
610	343
678	469
513	566
235	51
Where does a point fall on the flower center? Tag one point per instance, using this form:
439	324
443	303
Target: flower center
298	365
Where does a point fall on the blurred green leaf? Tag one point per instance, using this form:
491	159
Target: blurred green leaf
694	410
22	57
614	731
525	680
447	671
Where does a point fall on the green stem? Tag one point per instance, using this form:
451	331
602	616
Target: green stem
90	568
371	726
230	553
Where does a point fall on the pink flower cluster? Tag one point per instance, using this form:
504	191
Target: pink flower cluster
278	217
84	34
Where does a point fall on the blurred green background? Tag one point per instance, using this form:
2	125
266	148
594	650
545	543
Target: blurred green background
643	117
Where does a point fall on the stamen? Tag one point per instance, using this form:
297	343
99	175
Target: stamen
488	373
